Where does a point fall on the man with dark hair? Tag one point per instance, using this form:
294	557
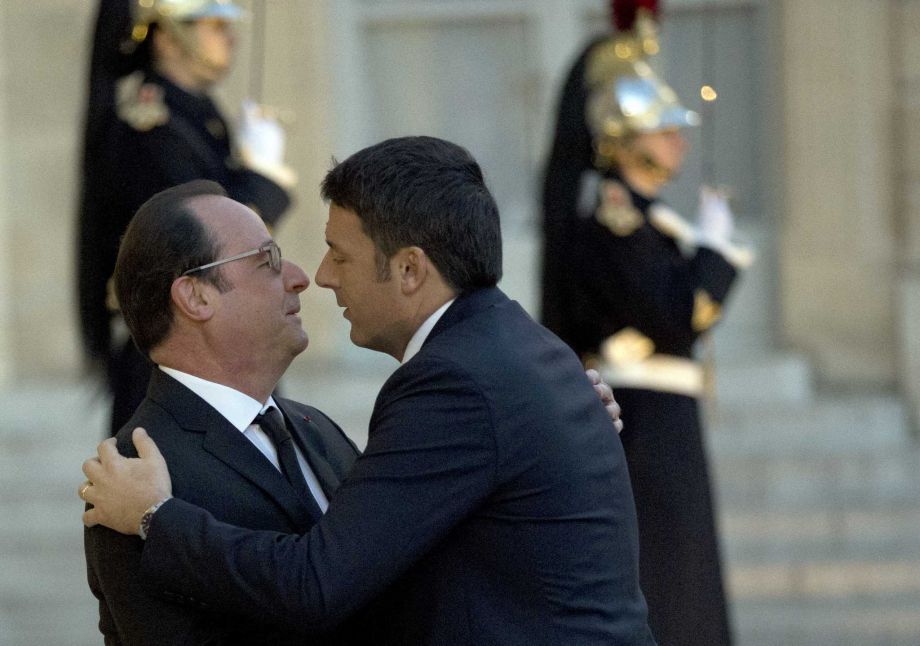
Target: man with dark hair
208	298
492	503
450	214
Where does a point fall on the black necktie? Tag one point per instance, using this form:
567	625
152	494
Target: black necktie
272	422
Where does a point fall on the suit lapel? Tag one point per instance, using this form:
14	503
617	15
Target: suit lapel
307	436
227	444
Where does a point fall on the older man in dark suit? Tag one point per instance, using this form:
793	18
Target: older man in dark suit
492	504
221	336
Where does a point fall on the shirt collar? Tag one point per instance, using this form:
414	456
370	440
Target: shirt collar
238	409
418	339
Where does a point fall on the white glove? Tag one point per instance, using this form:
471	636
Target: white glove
715	222
261	143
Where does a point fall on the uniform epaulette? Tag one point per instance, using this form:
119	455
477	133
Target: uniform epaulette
141	105
616	210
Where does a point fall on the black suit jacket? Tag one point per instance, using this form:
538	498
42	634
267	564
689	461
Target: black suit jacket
491	506
213	465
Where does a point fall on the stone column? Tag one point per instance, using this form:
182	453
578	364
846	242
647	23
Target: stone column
837	242
297	81
44	52
906	45
6	350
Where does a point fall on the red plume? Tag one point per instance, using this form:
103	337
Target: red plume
623	12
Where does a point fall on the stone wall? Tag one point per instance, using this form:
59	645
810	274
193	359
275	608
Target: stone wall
849	225
905	30
838	249
42	89
44	50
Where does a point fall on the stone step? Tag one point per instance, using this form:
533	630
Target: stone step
859	621
764	377
783	537
802	483
839	426
840	581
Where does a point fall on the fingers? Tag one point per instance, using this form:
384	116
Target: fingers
107	451
146	447
81	492
89	518
593	376
94	468
604	391
91	467
613	409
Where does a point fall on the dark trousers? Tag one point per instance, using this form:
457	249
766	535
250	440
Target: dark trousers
679	565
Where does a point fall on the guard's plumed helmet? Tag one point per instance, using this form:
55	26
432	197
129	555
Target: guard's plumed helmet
625	96
172	13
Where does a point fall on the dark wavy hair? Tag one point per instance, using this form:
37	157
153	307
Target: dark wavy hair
424	192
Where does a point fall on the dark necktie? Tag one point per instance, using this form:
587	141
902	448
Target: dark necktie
272	422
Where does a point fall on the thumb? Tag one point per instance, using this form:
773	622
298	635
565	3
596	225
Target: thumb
249	111
146	447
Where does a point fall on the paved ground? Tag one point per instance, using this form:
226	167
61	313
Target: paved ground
821	516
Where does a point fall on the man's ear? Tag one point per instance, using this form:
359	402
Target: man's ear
412	269
192	298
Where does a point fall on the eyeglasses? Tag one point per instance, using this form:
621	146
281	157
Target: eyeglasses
274	258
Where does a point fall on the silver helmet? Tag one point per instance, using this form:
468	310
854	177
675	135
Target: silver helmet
625	96
171	13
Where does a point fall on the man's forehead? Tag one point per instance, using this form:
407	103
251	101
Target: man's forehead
344	221
209	202
227	219
217	209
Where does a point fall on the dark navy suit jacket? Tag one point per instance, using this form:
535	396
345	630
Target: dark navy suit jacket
212	465
491	506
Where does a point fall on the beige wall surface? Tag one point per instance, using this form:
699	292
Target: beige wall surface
44	51
837	251
296	81
848	239
42	85
6	311
906	33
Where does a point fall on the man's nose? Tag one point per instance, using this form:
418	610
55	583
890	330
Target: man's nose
323	275
295	278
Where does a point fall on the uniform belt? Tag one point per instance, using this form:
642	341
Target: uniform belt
628	359
662	372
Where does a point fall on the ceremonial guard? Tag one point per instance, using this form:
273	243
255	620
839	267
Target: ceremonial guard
631	286
151	124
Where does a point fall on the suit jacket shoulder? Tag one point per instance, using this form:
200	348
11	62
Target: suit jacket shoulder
213	464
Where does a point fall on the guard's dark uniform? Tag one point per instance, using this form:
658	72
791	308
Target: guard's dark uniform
144	134
618	288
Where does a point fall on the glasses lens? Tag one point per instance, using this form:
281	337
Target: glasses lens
274	257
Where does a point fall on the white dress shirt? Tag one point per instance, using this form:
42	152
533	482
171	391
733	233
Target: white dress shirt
240	409
415	343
